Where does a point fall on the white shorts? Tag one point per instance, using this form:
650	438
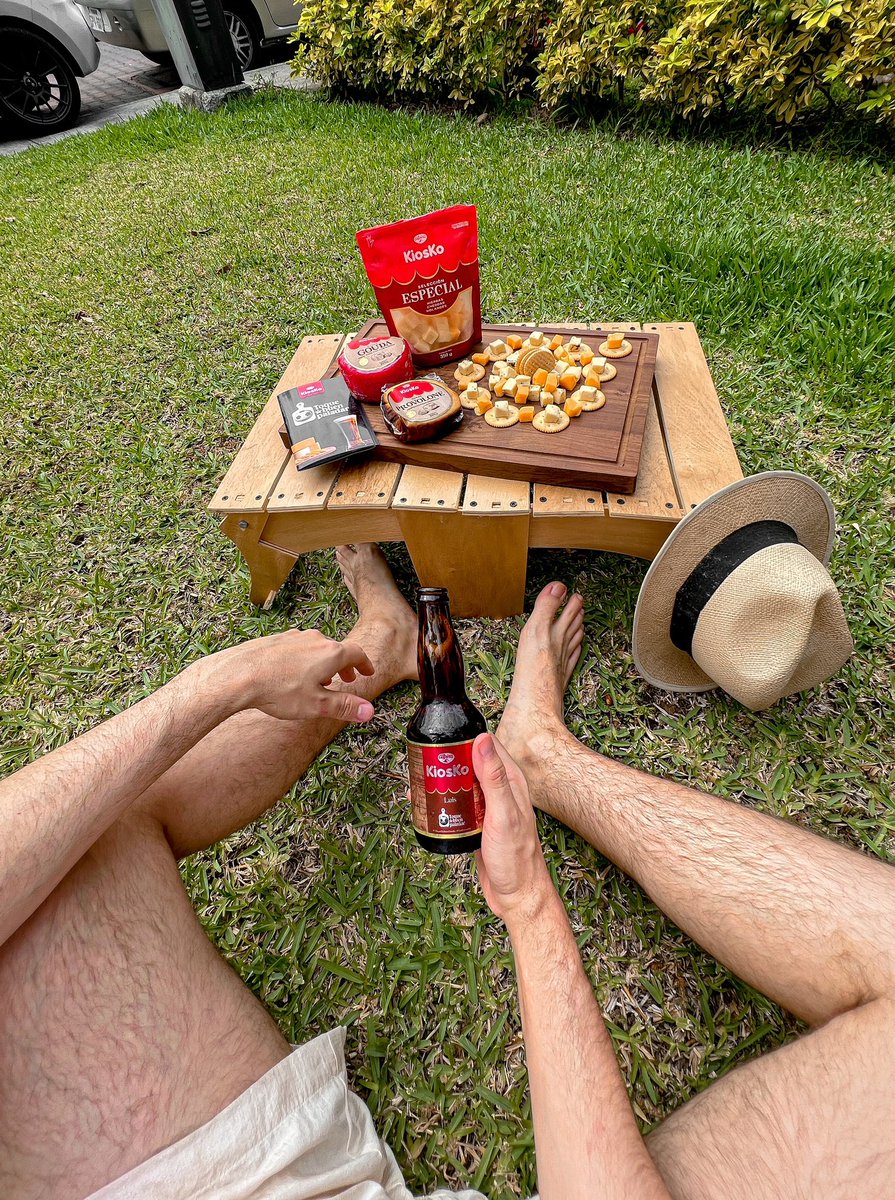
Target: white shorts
299	1133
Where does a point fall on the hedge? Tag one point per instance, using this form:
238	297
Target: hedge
694	57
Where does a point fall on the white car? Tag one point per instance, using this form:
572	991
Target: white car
253	25
44	46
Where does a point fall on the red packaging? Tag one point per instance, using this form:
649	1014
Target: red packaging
370	364
425	273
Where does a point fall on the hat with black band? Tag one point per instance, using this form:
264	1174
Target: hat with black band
739	596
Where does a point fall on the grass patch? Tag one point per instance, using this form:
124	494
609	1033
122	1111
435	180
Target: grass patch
156	278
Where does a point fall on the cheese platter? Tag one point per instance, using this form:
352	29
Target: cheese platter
599	448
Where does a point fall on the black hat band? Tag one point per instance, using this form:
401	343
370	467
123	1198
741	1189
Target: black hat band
720	562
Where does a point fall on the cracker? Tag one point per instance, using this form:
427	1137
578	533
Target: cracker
622	352
470	402
494	418
472	376
593	405
540	423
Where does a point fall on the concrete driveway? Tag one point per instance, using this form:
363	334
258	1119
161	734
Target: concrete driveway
122	76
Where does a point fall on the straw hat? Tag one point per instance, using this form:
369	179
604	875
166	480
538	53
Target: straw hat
739	596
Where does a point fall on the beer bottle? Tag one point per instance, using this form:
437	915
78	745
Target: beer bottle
447	802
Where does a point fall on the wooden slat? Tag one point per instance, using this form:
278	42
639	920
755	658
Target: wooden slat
260	460
566	502
655	496
699	446
423	489
368	485
487	497
299	491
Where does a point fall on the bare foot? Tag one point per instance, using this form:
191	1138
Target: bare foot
549	649
383	613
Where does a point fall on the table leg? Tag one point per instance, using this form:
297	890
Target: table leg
269	569
480	560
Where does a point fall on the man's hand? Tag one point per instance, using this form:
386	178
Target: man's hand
512	870
287	675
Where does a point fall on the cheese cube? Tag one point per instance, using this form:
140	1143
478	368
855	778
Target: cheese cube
536	338
574	343
466	367
481	359
572	407
556	342
494	379
509	386
502	408
497	388
527	413
515	341
587	394
592	379
484	405
551	383
501	367
521	394
497	347
552	414
524	379
587	356
568	379
559	396
614	340
539	377
534	392
471	392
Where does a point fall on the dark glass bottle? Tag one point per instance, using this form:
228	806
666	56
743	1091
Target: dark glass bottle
448	808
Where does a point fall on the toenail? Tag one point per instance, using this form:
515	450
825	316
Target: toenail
557	589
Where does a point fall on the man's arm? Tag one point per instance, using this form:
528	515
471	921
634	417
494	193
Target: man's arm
587	1142
52	811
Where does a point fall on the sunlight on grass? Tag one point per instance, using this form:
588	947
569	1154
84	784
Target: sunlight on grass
157	277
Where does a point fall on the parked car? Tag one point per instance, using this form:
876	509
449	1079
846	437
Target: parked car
253	25
44	46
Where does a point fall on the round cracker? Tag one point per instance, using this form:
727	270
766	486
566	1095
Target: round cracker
498	422
622	352
540	423
477	373
535	359
608	372
590	405
482	394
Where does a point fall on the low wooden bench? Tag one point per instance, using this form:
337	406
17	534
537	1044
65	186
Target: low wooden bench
470	533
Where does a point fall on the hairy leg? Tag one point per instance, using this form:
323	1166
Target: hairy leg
248	763
805	920
122	1028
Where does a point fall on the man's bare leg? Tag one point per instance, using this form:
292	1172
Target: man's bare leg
121	1028
806	921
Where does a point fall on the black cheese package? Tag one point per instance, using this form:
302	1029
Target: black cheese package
325	423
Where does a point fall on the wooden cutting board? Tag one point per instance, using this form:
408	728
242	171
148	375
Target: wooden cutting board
597	450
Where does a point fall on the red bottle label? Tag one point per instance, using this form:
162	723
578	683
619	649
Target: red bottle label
444	792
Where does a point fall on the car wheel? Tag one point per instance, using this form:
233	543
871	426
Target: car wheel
161	58
38	89
245	39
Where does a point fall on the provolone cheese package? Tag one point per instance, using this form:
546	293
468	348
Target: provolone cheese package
425	273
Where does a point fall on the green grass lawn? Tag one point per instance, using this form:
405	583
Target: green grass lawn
154	280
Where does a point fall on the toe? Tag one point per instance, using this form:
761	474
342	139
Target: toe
548	602
572	615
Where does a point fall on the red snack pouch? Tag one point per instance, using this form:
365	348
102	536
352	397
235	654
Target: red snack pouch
425	273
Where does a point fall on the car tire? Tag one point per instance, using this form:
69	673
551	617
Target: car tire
161	58
246	35
39	91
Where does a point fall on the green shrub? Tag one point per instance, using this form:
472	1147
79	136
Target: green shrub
465	52
594	47
786	60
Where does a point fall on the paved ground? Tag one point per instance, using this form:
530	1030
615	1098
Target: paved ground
123	75
126	84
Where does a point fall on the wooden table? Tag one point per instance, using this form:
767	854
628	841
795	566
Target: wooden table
470	533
